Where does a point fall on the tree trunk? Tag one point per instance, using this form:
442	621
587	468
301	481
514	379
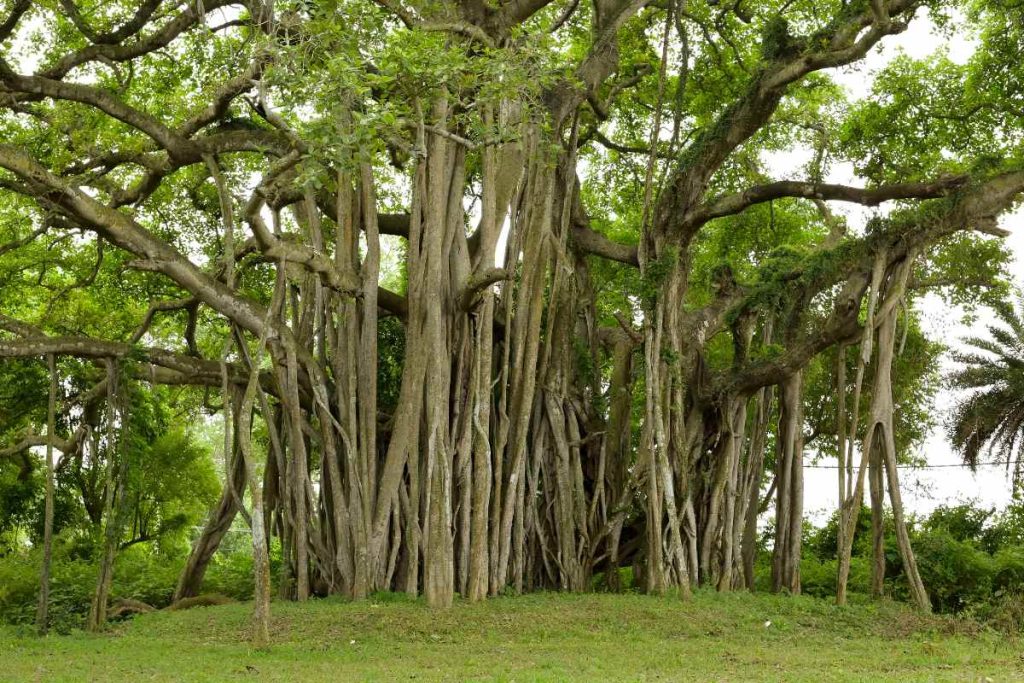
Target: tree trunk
218	524
42	611
112	512
789	494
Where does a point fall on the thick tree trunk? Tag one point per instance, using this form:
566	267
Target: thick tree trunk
730	537
666	433
218	524
885	447
752	486
789	494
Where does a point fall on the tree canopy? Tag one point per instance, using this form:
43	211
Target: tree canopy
491	295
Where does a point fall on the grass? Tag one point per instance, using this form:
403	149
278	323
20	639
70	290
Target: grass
543	637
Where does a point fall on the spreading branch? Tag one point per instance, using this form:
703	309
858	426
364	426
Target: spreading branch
736	203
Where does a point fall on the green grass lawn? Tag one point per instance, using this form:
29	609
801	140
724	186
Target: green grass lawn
547	637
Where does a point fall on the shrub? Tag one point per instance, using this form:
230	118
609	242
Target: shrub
140	574
231	574
147	576
818	578
1008	575
1004	612
955	572
71	586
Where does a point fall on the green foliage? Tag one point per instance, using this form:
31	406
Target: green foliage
19	491
72	582
390	361
989	415
970	558
776	41
172	483
656	273
955	572
819	577
231	572
140	573
916	103
823	542
970	270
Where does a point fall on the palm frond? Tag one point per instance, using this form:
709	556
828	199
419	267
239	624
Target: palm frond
989	416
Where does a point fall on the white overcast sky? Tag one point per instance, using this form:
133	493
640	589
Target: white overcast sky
923	489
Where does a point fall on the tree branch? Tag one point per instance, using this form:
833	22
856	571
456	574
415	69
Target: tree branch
121	230
975	208
844	42
736	203
179	147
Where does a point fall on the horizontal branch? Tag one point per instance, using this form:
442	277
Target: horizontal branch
124	232
34	440
479	282
736	203
160	366
593	242
975	208
393	303
846	40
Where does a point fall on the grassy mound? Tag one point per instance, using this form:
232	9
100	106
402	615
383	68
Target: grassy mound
547	637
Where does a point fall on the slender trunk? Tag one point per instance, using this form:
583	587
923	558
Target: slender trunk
112	509
42	611
883	413
875	478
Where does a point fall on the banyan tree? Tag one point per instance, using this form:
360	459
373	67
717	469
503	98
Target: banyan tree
499	295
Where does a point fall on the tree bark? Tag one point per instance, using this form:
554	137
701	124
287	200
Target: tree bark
42	611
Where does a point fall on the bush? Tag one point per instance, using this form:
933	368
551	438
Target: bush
231	574
140	573
1008	575
971	560
1003	612
150	577
955	572
1005	530
823	542
71	587
818	577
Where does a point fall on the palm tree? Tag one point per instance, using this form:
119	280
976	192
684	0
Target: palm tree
989	417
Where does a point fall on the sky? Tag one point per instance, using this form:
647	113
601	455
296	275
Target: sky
923	489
